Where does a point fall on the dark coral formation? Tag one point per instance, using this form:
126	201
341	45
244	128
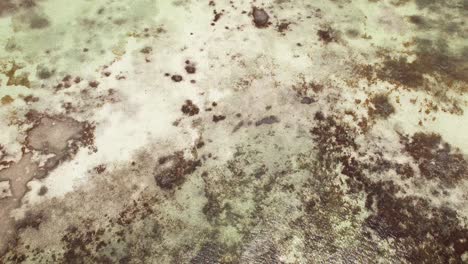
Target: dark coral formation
425	233
172	170
436	159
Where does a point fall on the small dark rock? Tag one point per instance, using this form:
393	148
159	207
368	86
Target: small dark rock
94	84
283	26
217	118
176	78
190	69
43	72
260	17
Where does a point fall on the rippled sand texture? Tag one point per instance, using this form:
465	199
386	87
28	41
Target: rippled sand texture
285	131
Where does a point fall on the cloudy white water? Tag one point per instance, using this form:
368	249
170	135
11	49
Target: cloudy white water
286	131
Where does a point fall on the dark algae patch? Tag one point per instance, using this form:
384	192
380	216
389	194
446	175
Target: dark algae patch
176	78
190	69
172	170
217	118
427	234
381	106
421	232
429	61
146	50
269	120
43	72
38	22
189	108
436	159
327	36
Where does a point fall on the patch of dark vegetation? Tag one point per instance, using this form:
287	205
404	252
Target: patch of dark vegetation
382	107
419	21
217	16
172	170
43	72
93	84
134	210
268	120
428	234
238	126
283	27
189	108
190	69
42	191
327	36
435	158
352	33
21	79
30	220
404	170
100	168
400	71
431	61
82	246
146	50
176	78
422	4
38	22
260	17
307	100
213	208
200	144
331	135
422	233
8	7
217	118
304	88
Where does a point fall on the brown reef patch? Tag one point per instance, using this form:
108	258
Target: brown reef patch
327	36
172	170
283	27
190	69
421	232
436	159
381	106
217	118
176	78
189	108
